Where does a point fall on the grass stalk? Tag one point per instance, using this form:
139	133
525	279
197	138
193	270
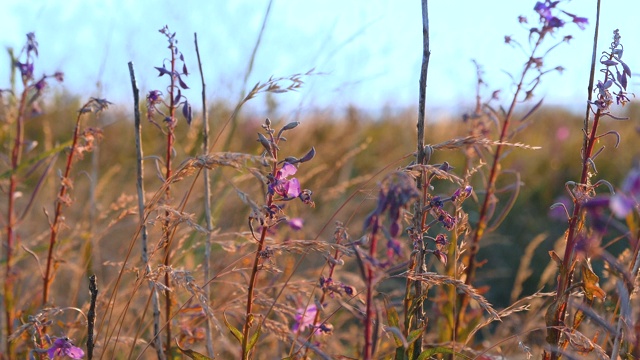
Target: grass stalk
207	199
416	263
141	209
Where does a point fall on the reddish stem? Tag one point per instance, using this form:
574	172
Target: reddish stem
55	225
16	153
167	249
256	261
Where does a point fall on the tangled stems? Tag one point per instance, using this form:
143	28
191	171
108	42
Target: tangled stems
584	190
490	187
93	105
272	148
11	221
154	99
549	23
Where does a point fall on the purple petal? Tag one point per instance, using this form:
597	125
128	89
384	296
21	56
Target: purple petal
186	112
75	352
163	71
621	205
182	83
293	188
296	223
287	170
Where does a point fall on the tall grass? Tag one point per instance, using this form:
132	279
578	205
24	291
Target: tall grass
324	236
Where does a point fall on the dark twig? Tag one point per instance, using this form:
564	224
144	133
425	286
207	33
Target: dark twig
417	263
91	316
141	209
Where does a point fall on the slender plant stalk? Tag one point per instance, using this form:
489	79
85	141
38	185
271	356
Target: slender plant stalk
246	352
369	317
16	155
167	194
65	184
483	217
91	315
207	198
252	284
417	260
141	209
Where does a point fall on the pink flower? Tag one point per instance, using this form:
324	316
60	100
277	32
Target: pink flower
296	223
64	347
304	318
282	185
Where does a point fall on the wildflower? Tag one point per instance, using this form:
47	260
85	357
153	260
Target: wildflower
296	223
625	201
32	44
26	70
581	22
304	318
543	9
282	185
64	347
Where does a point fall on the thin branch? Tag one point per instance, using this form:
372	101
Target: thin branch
141	209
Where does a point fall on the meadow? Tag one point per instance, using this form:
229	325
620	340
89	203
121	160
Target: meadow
150	230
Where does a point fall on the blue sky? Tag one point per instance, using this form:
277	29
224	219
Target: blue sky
368	51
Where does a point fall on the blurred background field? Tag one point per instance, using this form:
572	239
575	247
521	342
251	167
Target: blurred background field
357	109
354	150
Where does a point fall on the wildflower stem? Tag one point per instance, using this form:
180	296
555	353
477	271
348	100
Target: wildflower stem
167	195
65	184
250	290
483	217
576	221
338	235
256	262
369	318
16	153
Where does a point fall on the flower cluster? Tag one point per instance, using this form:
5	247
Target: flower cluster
26	68
155	97
331	287
436	206
64	347
550	21
612	60
305	318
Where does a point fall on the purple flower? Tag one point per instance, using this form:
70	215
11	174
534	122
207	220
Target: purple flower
621	205
59	75
555	22
64	347
304	318
624	202
26	70
282	185
581	22
296	223
543	10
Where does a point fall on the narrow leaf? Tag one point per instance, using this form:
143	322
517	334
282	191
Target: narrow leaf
192	354
236	333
